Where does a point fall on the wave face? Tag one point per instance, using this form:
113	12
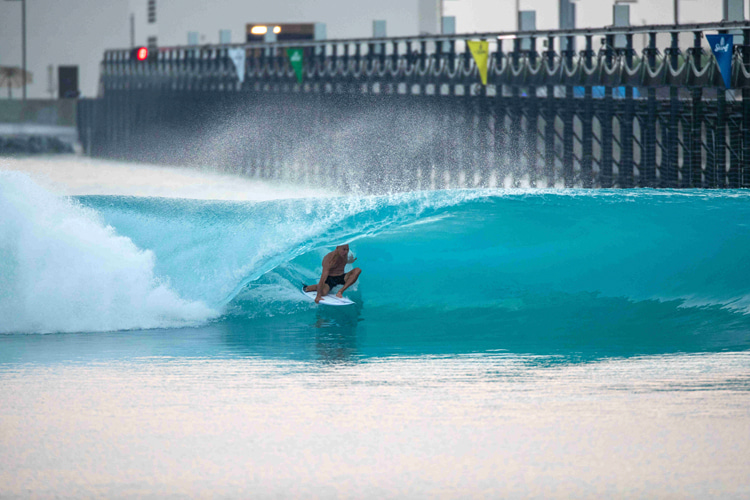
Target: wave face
574	267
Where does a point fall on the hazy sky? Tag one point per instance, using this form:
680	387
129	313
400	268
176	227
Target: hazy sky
76	32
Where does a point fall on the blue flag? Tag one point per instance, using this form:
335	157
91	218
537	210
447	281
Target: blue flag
722	45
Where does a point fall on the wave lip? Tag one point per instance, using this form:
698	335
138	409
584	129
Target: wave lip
64	270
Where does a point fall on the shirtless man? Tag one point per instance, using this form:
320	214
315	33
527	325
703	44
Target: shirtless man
333	273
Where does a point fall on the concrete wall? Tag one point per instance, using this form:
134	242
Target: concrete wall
343	18
499	15
38	126
39	111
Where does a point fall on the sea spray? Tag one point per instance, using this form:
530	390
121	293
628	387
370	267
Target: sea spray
63	269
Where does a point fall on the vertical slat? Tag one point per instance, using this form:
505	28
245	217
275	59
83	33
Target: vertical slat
499	111
648	161
745	174
532	123
626	171
587	119
606	122
671	175
568	110
483	129
516	110
696	121
549	121
716	171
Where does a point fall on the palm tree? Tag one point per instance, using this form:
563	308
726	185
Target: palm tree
12	77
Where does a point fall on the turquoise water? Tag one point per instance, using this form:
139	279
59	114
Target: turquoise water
491	329
583	274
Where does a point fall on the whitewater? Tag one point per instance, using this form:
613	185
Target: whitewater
505	261
534	343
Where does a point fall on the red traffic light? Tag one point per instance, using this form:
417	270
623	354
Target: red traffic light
141	53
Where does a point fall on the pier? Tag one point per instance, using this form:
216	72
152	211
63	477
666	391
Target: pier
638	106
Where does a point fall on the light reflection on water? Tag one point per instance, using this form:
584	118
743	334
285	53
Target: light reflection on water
470	425
328	403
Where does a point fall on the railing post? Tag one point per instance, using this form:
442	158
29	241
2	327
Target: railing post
716	170
648	162
568	112
696	121
626	172
672	164
468	140
483	131
532	122
500	138
549	120
745	174
444	106
735	143
515	133
455	156
587	153
605	120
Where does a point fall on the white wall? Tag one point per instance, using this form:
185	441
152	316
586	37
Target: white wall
499	15
343	18
77	32
62	32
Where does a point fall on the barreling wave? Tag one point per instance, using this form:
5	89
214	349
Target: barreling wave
551	261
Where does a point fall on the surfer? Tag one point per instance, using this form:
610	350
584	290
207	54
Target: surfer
333	273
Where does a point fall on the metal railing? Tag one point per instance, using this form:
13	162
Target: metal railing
644	101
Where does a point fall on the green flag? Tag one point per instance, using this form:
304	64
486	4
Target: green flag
295	59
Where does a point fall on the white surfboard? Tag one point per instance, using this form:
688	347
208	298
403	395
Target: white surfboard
329	300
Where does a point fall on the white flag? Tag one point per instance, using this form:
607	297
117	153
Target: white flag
237	55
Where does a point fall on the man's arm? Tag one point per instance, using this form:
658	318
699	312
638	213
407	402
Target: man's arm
323	277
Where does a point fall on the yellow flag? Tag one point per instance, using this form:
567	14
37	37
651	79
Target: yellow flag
480	51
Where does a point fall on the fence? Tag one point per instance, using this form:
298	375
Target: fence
411	113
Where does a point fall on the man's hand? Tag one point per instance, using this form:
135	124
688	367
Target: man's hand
350	260
317	299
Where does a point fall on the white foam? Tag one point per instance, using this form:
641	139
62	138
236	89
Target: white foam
62	270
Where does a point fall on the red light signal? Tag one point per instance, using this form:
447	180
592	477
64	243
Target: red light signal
141	54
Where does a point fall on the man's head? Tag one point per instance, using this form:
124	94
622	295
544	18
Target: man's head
342	251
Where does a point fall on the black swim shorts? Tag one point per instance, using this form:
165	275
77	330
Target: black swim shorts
332	281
